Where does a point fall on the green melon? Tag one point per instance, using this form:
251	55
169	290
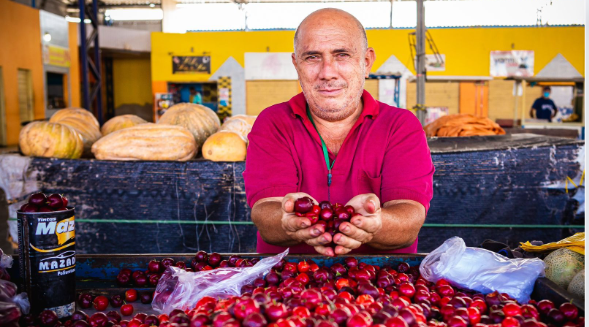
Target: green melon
577	285
562	265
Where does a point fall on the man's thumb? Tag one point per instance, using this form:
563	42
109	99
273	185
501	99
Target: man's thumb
288	205
371	205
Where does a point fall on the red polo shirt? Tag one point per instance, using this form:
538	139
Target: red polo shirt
385	153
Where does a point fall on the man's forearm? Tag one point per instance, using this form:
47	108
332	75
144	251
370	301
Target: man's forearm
401	223
267	216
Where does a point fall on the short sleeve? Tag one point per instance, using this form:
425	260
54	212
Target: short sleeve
270	168
536	104
408	171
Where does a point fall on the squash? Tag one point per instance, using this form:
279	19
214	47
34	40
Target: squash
121	122
43	139
89	132
237	126
79	113
201	121
224	146
83	121
147	142
249	119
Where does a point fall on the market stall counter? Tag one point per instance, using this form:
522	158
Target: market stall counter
508	188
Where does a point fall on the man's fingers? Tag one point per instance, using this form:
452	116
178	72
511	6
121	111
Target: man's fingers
294	223
371	204
365	204
321	240
345	241
288	205
326	251
289	200
339	250
368	224
355	232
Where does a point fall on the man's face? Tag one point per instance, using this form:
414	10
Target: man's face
332	63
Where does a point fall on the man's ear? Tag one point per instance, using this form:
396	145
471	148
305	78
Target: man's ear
369	57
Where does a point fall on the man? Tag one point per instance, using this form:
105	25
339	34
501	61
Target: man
377	155
195	96
544	107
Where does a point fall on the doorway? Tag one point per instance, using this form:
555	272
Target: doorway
25	96
2	112
56	90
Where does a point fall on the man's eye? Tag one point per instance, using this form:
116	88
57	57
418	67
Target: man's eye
311	57
342	55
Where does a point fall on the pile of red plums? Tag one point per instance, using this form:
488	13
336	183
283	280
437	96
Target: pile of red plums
346	294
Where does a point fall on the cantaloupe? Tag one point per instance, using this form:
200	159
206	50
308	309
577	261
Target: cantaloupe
562	265
577	285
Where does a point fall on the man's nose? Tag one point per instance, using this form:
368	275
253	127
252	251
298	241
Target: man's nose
328	69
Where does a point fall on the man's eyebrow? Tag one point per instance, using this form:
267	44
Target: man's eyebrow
340	50
311	52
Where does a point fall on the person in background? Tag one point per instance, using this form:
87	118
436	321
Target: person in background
195	96
544	107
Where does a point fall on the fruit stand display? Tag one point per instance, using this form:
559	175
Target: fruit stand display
483	186
300	291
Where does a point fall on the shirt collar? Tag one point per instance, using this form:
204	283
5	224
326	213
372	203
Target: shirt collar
298	103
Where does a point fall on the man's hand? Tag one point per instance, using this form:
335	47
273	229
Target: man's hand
360	229
300	229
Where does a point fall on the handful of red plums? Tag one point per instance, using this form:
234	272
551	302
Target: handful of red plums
331	216
39	202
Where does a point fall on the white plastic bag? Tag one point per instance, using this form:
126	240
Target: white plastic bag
482	270
179	289
8	289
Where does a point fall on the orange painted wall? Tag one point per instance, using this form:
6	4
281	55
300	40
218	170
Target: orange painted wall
20	37
74	30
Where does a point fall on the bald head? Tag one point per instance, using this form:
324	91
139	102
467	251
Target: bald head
334	18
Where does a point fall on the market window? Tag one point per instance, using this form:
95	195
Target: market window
25	95
56	90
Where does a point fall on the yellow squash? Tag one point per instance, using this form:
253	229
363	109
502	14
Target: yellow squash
147	142
43	139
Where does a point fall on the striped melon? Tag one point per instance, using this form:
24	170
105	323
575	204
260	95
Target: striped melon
43	139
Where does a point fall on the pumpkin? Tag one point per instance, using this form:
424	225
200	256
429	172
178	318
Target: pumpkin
249	119
201	121
237	126
224	146
89	132
43	139
147	142
79	113
121	122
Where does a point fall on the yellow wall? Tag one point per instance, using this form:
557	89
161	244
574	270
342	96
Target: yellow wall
75	65
20	37
132	81
467	50
437	94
